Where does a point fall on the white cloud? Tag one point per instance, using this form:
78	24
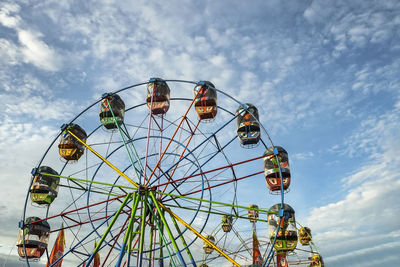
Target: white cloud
354	25
362	256
37	52
33	49
21	143
302	156
5	15
37	108
9	52
371	201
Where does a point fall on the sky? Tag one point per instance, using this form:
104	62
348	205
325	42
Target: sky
323	74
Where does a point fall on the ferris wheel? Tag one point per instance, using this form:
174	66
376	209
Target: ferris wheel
144	174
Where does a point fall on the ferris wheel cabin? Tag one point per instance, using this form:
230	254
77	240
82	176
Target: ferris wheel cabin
208	249
44	187
227	223
248	127
205	102
316	260
36	238
305	236
286	239
112	110
252	214
69	147
271	169
158	95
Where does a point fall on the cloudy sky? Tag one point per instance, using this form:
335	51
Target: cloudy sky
324	75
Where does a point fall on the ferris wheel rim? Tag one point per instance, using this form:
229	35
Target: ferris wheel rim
96	102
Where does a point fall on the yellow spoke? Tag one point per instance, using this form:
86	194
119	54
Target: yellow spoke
104	159
198	234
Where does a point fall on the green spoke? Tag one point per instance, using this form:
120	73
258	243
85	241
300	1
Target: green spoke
182	239
217	202
160	230
87	181
125	145
109	227
167	227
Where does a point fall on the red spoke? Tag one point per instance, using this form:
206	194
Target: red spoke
85	222
67	212
227	182
184	150
213	170
170	140
69	218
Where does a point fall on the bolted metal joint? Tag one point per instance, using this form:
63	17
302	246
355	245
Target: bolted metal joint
105	95
64	127
281	212
34	171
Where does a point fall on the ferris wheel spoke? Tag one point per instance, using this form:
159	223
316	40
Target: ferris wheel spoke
84	238
180	157
224	183
200	210
203	142
147	142
193	230
114	239
104	159
220	204
181	180
128	233
64	213
232	169
132	151
172	183
137	127
183	241
213	155
83	181
237	234
75	234
174	123
212	211
167	228
171	138
160	227
142	229
73	203
126	132
170	179
109	227
166	173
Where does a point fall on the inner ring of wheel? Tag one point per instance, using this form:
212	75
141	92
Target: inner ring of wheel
200	203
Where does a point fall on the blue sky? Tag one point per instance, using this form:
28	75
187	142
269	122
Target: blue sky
323	74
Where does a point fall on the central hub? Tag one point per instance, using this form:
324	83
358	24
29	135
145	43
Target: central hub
143	189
